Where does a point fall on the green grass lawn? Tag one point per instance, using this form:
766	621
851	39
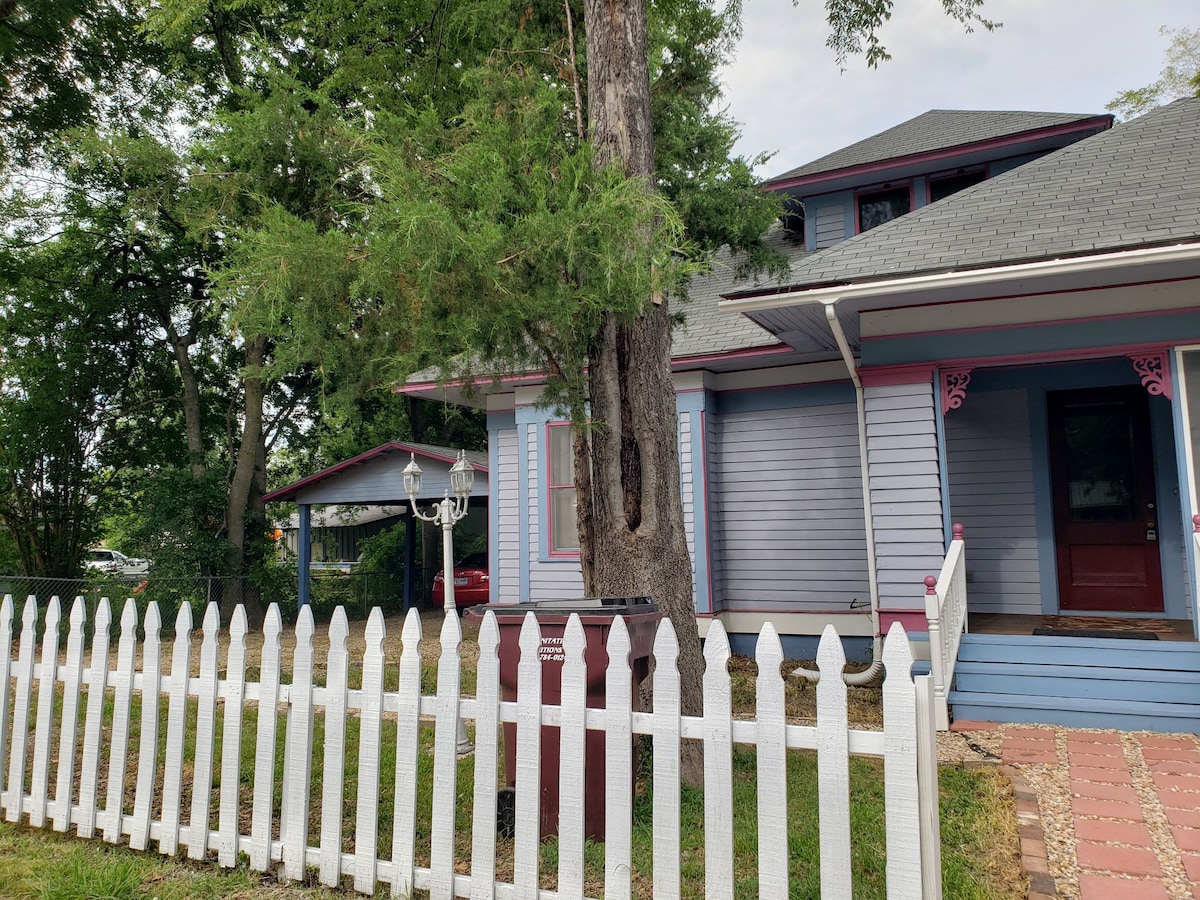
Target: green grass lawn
976	815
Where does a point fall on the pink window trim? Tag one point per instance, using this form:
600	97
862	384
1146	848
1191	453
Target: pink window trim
551	550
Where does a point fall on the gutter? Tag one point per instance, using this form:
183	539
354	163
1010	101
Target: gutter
963	279
872	672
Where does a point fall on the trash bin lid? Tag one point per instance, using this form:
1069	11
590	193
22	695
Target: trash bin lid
611	606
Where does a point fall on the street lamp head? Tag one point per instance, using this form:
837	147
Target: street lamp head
412	478
462	476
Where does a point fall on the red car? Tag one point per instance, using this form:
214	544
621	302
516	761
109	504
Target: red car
471	586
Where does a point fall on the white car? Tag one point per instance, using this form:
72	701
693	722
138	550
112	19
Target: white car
114	562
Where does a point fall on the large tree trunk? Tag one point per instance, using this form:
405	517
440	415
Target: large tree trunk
244	483
192	405
631	504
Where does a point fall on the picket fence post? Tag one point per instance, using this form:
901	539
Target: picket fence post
333	776
408	752
231	740
445	763
927	787
15	788
40	774
572	735
902	811
833	767
206	736
93	720
487	733
114	807
68	731
618	779
527	842
667	705
718	765
297	754
148	747
267	732
772	767
181	664
6	621
370	745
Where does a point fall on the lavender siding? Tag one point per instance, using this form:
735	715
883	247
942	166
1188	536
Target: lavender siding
687	420
906	498
830	225
508	518
786	515
712	453
990	462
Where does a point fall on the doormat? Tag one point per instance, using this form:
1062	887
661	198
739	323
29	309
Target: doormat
1044	631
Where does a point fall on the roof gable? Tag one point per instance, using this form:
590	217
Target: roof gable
343	482
931	132
1136	185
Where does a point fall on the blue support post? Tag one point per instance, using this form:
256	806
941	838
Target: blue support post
304	549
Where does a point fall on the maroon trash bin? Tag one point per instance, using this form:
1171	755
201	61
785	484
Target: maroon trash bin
596	615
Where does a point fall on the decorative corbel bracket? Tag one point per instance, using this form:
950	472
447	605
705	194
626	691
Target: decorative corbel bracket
954	387
1154	370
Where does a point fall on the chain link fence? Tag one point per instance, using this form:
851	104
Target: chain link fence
359	592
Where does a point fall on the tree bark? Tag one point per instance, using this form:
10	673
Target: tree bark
631	503
244	482
192	407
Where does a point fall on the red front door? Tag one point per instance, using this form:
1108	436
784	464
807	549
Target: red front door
1105	518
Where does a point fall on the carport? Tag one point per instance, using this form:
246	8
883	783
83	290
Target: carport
375	478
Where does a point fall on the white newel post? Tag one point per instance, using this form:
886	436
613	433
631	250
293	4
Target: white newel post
937	662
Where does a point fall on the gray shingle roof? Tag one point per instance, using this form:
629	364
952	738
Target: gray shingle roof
705	328
938	129
1135	185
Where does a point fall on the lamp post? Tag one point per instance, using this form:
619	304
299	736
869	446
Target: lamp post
446	513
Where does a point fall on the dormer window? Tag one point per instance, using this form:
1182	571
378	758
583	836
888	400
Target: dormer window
940	188
877	207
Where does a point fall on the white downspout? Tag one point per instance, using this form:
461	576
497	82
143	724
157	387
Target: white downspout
872	672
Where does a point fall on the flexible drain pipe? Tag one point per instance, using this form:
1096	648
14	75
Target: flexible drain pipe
869	674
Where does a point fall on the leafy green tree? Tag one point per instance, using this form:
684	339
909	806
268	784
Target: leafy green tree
65	374
1180	76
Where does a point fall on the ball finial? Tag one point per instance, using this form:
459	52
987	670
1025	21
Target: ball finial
931	584
958	531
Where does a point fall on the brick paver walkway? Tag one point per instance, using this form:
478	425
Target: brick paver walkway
1131	825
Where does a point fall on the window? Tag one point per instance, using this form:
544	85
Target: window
560	484
878	207
940	188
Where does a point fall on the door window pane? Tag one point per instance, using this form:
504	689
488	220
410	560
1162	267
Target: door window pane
1100	470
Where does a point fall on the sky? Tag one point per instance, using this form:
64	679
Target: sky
785	89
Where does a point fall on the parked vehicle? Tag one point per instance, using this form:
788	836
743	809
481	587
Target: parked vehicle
471	585
113	562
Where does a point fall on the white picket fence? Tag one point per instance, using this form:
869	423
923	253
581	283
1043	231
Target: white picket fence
74	801
946	612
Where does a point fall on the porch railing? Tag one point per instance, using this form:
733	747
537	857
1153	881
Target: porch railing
946	610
